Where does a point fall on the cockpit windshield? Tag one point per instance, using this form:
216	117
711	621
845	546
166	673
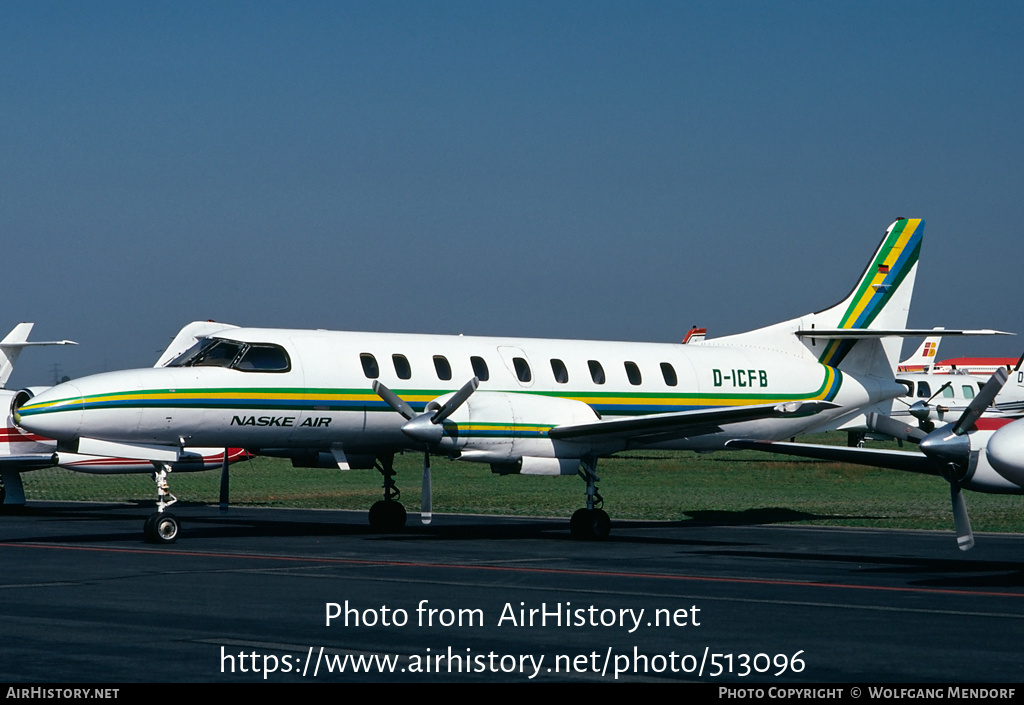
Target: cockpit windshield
247	357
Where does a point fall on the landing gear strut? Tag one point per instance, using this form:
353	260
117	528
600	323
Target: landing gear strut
162	526
591	523
387	515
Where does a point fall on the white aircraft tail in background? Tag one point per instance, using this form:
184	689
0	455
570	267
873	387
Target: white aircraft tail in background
12	345
923	358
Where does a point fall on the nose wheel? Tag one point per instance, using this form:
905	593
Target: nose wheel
162	527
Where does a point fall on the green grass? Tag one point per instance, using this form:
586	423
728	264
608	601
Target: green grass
741	486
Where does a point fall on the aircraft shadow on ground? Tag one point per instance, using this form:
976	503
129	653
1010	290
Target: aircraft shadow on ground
202	522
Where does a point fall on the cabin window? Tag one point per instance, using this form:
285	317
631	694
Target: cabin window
480	368
370	368
558	370
596	371
968	391
522	369
402	367
923	390
947	392
669	373
263	358
633	373
441	366
908	385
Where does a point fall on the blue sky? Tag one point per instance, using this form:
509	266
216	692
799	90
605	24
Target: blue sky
601	170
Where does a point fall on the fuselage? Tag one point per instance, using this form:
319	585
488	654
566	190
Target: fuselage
313	389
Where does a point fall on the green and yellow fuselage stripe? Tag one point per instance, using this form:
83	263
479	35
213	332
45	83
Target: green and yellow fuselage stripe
362	400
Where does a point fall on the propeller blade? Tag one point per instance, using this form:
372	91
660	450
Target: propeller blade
891	427
224	483
426	500
393	400
947	384
981	402
964	535
456	400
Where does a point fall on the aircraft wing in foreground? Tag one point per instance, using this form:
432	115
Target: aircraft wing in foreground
984	455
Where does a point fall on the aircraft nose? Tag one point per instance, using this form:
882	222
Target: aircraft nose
1005	452
54	413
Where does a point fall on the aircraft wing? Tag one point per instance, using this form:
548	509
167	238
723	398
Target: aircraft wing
24	463
890	459
654	428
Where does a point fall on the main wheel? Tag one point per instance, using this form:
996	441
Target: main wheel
387	516
162	527
590	524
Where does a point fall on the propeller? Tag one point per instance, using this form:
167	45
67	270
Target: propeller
427	429
950	448
921	410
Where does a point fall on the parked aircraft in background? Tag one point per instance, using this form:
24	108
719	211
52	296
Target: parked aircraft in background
974	453
16	341
937	399
22	451
530	406
923	358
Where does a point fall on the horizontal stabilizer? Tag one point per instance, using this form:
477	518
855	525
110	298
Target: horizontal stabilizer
858	333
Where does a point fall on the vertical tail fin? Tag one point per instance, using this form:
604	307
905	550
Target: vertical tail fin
10	348
924	358
881	299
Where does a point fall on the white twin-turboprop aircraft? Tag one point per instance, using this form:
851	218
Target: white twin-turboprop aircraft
530	406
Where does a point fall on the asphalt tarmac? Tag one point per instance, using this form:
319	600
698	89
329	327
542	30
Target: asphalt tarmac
287	596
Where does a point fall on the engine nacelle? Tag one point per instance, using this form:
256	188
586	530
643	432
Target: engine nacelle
510	429
528	465
1005	452
22	396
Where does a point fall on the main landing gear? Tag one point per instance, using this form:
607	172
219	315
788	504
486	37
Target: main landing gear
387	515
591	523
162	526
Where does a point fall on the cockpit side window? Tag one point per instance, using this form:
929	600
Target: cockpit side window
263	358
247	357
186	358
